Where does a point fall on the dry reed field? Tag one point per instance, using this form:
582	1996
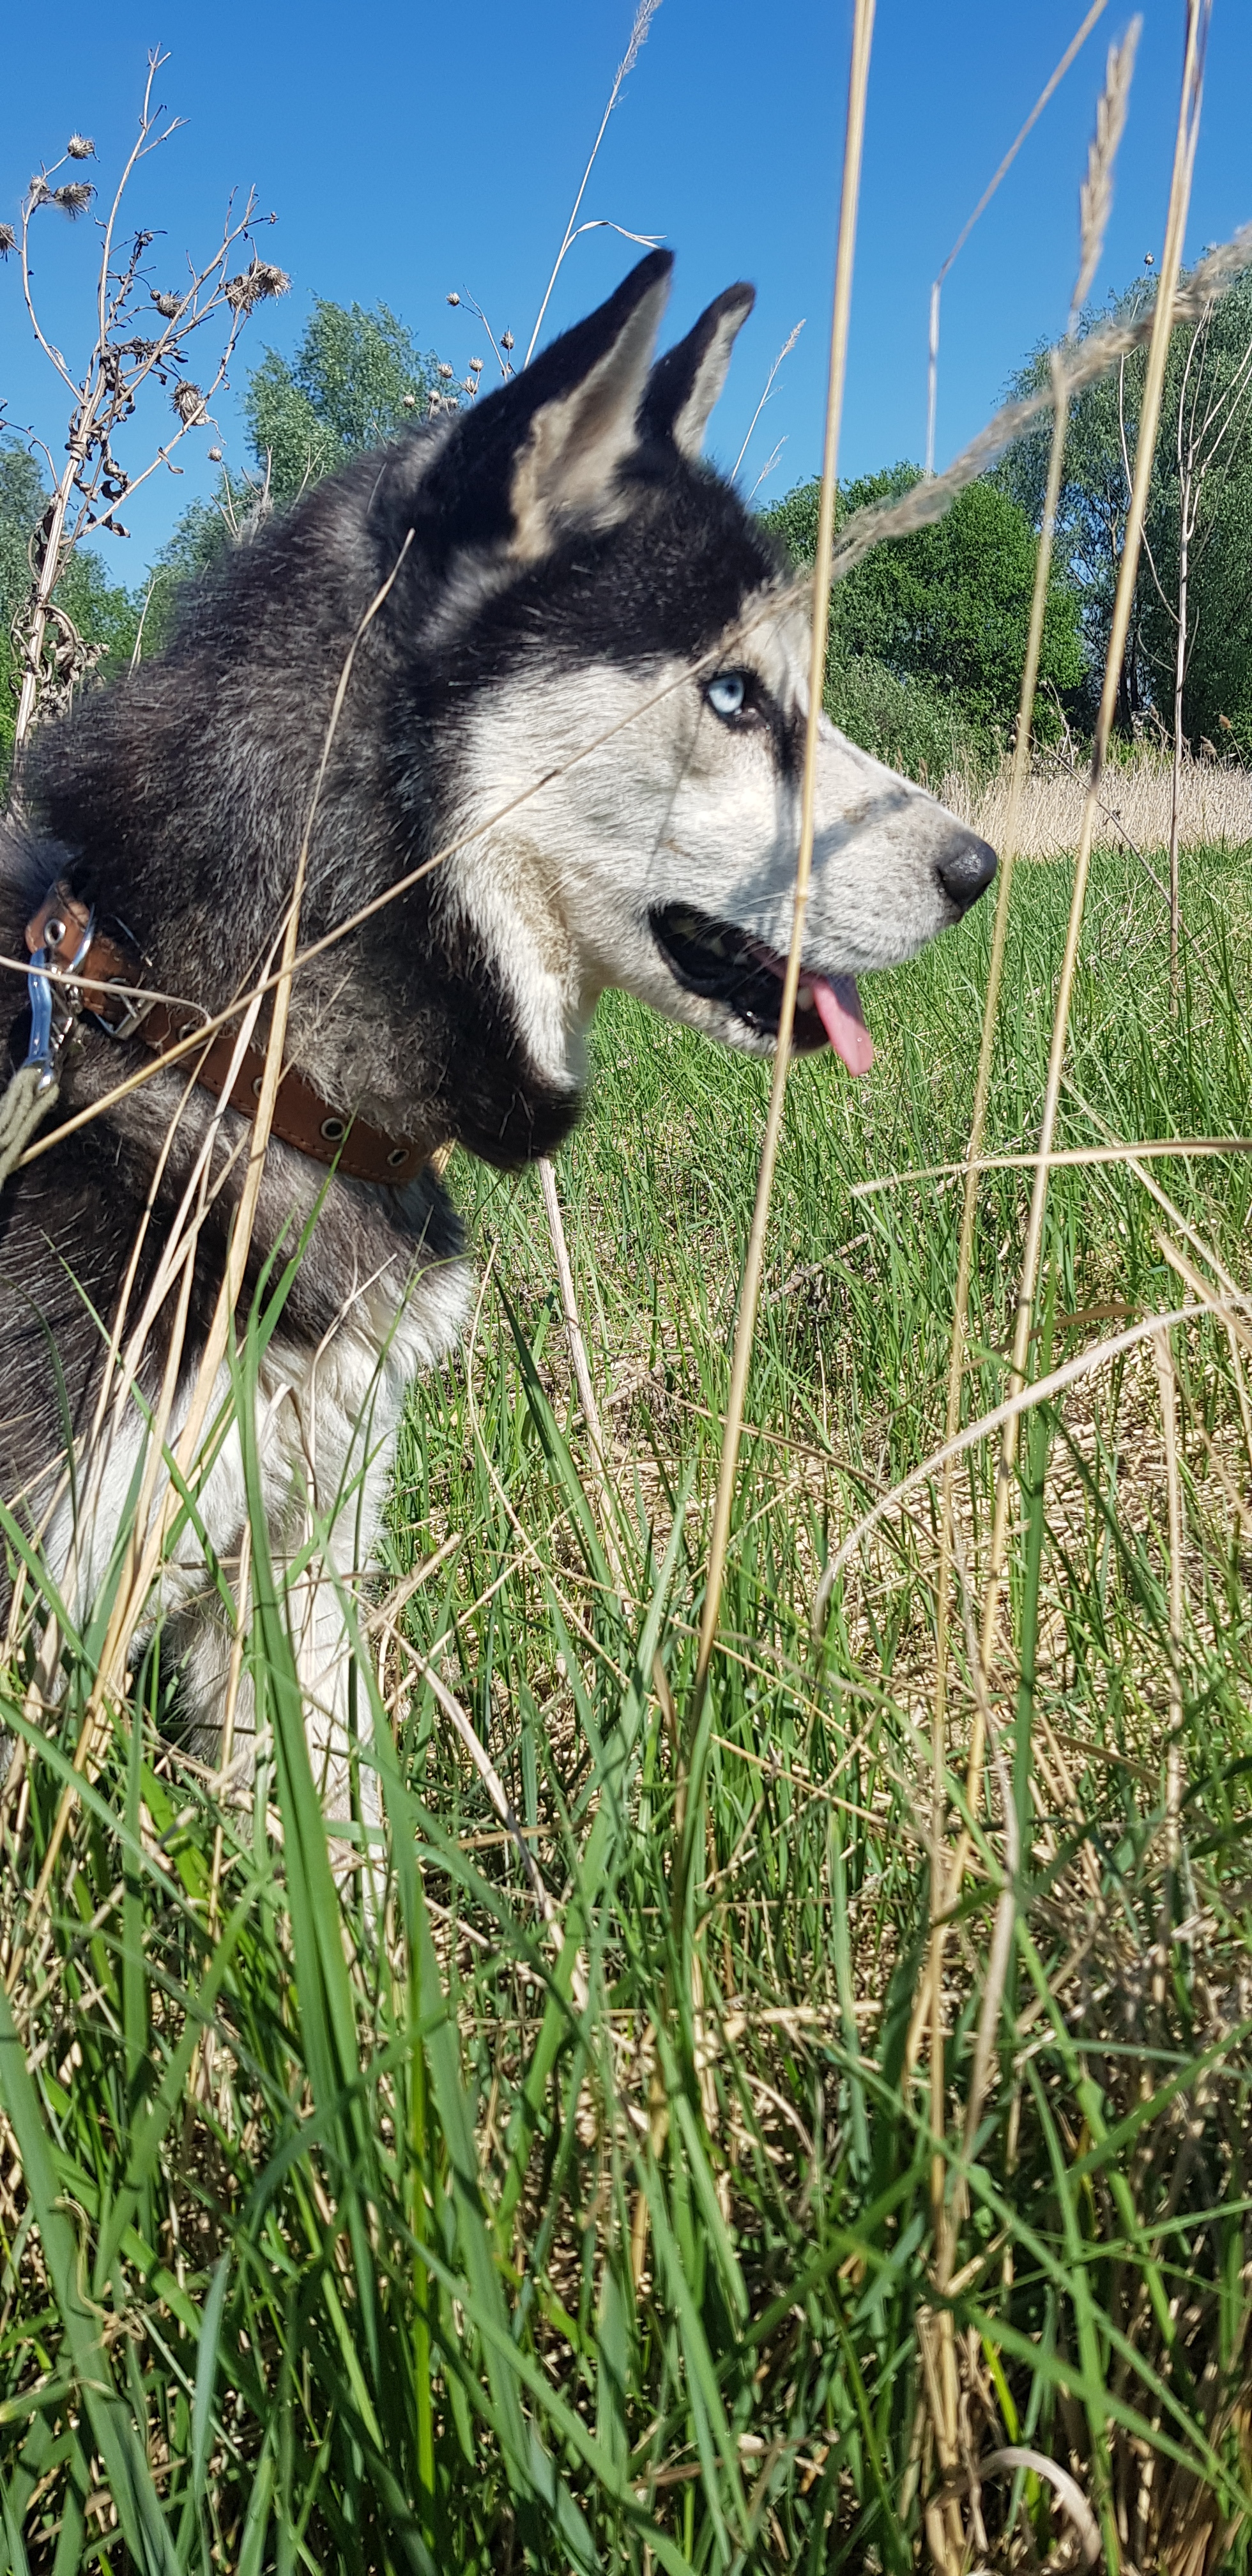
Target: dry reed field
774	2091
1214	806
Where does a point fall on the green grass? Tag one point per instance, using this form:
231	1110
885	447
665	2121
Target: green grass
316	2221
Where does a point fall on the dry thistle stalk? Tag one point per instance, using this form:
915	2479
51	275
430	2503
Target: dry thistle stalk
122	361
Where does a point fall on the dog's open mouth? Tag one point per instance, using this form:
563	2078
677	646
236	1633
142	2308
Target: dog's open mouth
725	964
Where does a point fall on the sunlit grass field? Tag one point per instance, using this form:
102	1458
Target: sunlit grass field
408	2208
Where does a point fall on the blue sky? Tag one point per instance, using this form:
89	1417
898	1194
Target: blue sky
412	150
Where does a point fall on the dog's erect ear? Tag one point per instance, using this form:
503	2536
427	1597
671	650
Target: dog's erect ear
542	455
685	383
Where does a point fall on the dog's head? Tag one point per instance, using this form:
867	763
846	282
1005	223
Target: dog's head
612	621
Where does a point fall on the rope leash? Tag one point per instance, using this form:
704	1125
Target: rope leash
34	1091
24	1105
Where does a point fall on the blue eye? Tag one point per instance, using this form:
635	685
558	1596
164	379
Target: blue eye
726	694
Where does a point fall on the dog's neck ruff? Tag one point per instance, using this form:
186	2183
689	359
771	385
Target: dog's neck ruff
62	936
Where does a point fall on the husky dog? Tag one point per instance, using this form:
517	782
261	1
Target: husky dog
584	697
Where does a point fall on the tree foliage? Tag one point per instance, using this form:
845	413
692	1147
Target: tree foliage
1091	524
928	633
357	378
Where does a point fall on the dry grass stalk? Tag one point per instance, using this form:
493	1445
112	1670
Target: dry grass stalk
1072	50
750	1287
947	2540
928	2008
783	354
1063	1158
1154	377
1092	357
695	1747
644	14
956	1356
583	1379
1167	1380
1010	1411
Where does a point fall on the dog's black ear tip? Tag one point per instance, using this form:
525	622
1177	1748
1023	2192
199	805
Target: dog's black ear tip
685	383
654	270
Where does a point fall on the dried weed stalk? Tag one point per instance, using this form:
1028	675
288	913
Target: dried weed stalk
141	340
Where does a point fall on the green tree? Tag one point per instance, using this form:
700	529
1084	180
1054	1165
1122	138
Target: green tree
928	633
357	378
1091	523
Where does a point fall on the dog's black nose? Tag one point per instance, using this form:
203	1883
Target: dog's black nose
967	871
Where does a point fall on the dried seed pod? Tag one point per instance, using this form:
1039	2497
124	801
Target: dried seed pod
215	456
252	284
166	305
74	198
80	148
507	340
454	299
443	368
189	403
8	239
477	365
40	192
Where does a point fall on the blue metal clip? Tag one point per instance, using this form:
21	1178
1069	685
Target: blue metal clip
48	1029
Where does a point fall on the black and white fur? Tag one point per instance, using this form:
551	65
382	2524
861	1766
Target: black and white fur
589	673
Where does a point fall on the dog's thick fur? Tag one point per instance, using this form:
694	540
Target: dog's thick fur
574	581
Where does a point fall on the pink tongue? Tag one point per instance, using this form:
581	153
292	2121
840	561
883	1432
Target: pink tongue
838	1007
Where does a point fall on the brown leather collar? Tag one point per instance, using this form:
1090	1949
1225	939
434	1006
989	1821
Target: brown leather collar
64	929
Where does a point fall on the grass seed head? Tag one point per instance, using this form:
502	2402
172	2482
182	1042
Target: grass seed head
1096	194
